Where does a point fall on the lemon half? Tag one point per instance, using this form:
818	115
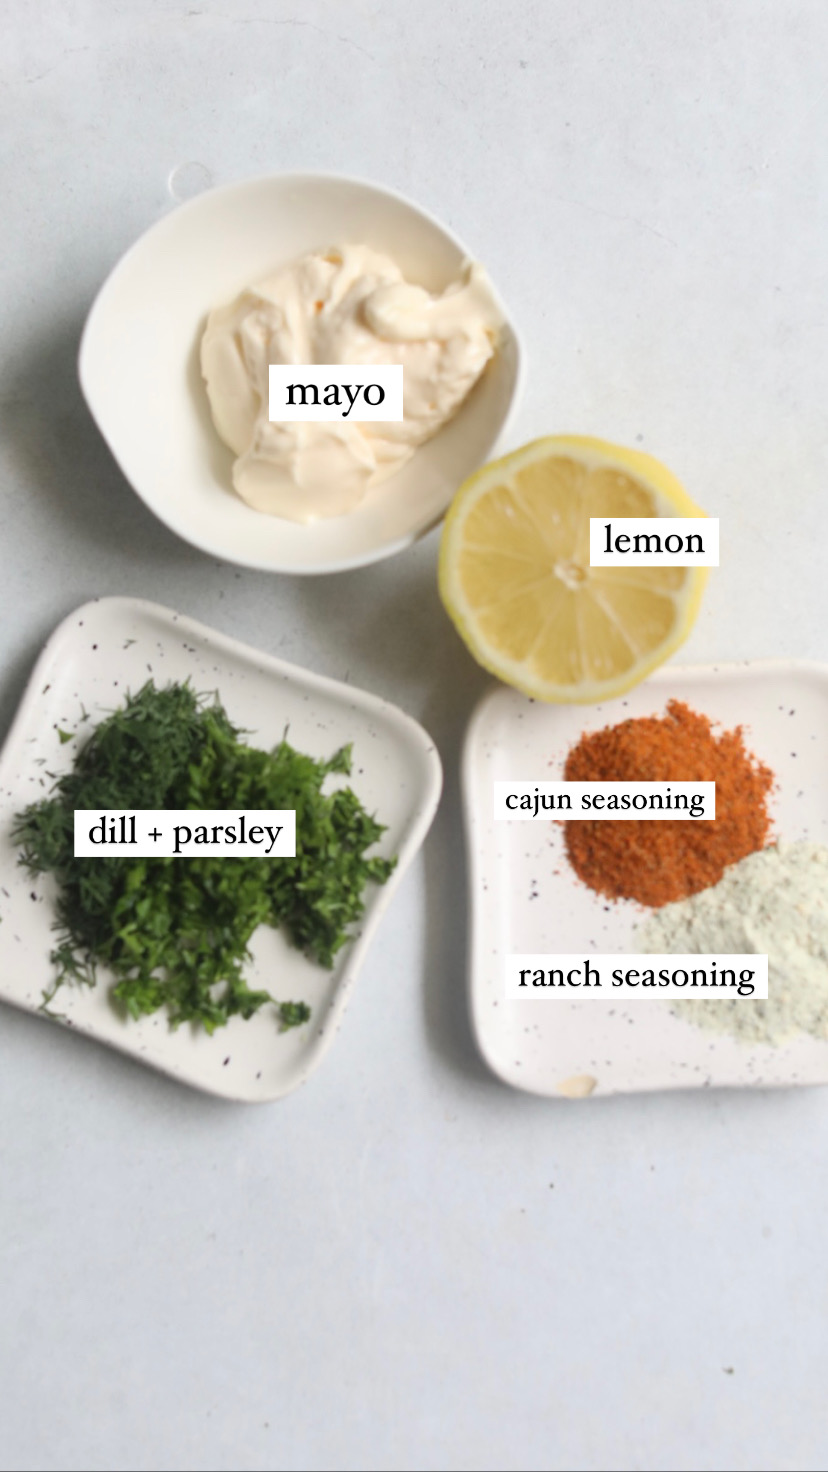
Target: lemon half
515	577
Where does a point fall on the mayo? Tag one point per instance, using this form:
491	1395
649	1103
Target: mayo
349	305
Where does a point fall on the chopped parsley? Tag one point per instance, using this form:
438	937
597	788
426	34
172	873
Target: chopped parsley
175	932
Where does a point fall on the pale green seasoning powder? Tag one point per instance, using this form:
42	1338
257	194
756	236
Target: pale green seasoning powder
774	903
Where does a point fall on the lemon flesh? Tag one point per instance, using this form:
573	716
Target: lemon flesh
516	581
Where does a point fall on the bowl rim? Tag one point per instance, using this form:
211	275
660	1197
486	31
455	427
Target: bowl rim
193	536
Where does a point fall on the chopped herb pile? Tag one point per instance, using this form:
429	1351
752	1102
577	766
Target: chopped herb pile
175	932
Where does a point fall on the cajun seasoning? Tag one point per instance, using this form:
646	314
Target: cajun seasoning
657	862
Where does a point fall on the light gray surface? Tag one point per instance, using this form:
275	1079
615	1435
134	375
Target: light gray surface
405	1264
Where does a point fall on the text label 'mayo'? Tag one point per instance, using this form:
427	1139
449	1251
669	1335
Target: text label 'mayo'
337	392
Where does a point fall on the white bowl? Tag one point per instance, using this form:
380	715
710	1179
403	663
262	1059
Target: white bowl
139	368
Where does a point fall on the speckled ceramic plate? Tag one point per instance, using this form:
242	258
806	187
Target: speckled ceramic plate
526	899
113	645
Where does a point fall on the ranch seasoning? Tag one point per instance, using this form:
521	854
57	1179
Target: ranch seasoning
772	903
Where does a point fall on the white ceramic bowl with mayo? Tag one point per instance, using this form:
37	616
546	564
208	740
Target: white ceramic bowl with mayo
140	368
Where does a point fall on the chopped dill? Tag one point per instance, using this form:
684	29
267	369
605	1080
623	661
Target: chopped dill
175	933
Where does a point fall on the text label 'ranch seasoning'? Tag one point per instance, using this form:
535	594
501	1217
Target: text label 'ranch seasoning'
656	863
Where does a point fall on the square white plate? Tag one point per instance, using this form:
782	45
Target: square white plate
525	898
97	655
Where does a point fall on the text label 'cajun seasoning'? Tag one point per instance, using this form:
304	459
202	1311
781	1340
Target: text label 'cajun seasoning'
619	801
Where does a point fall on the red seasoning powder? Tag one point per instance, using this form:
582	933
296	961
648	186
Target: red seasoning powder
656	862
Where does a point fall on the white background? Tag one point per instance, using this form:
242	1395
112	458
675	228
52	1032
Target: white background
405	1264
